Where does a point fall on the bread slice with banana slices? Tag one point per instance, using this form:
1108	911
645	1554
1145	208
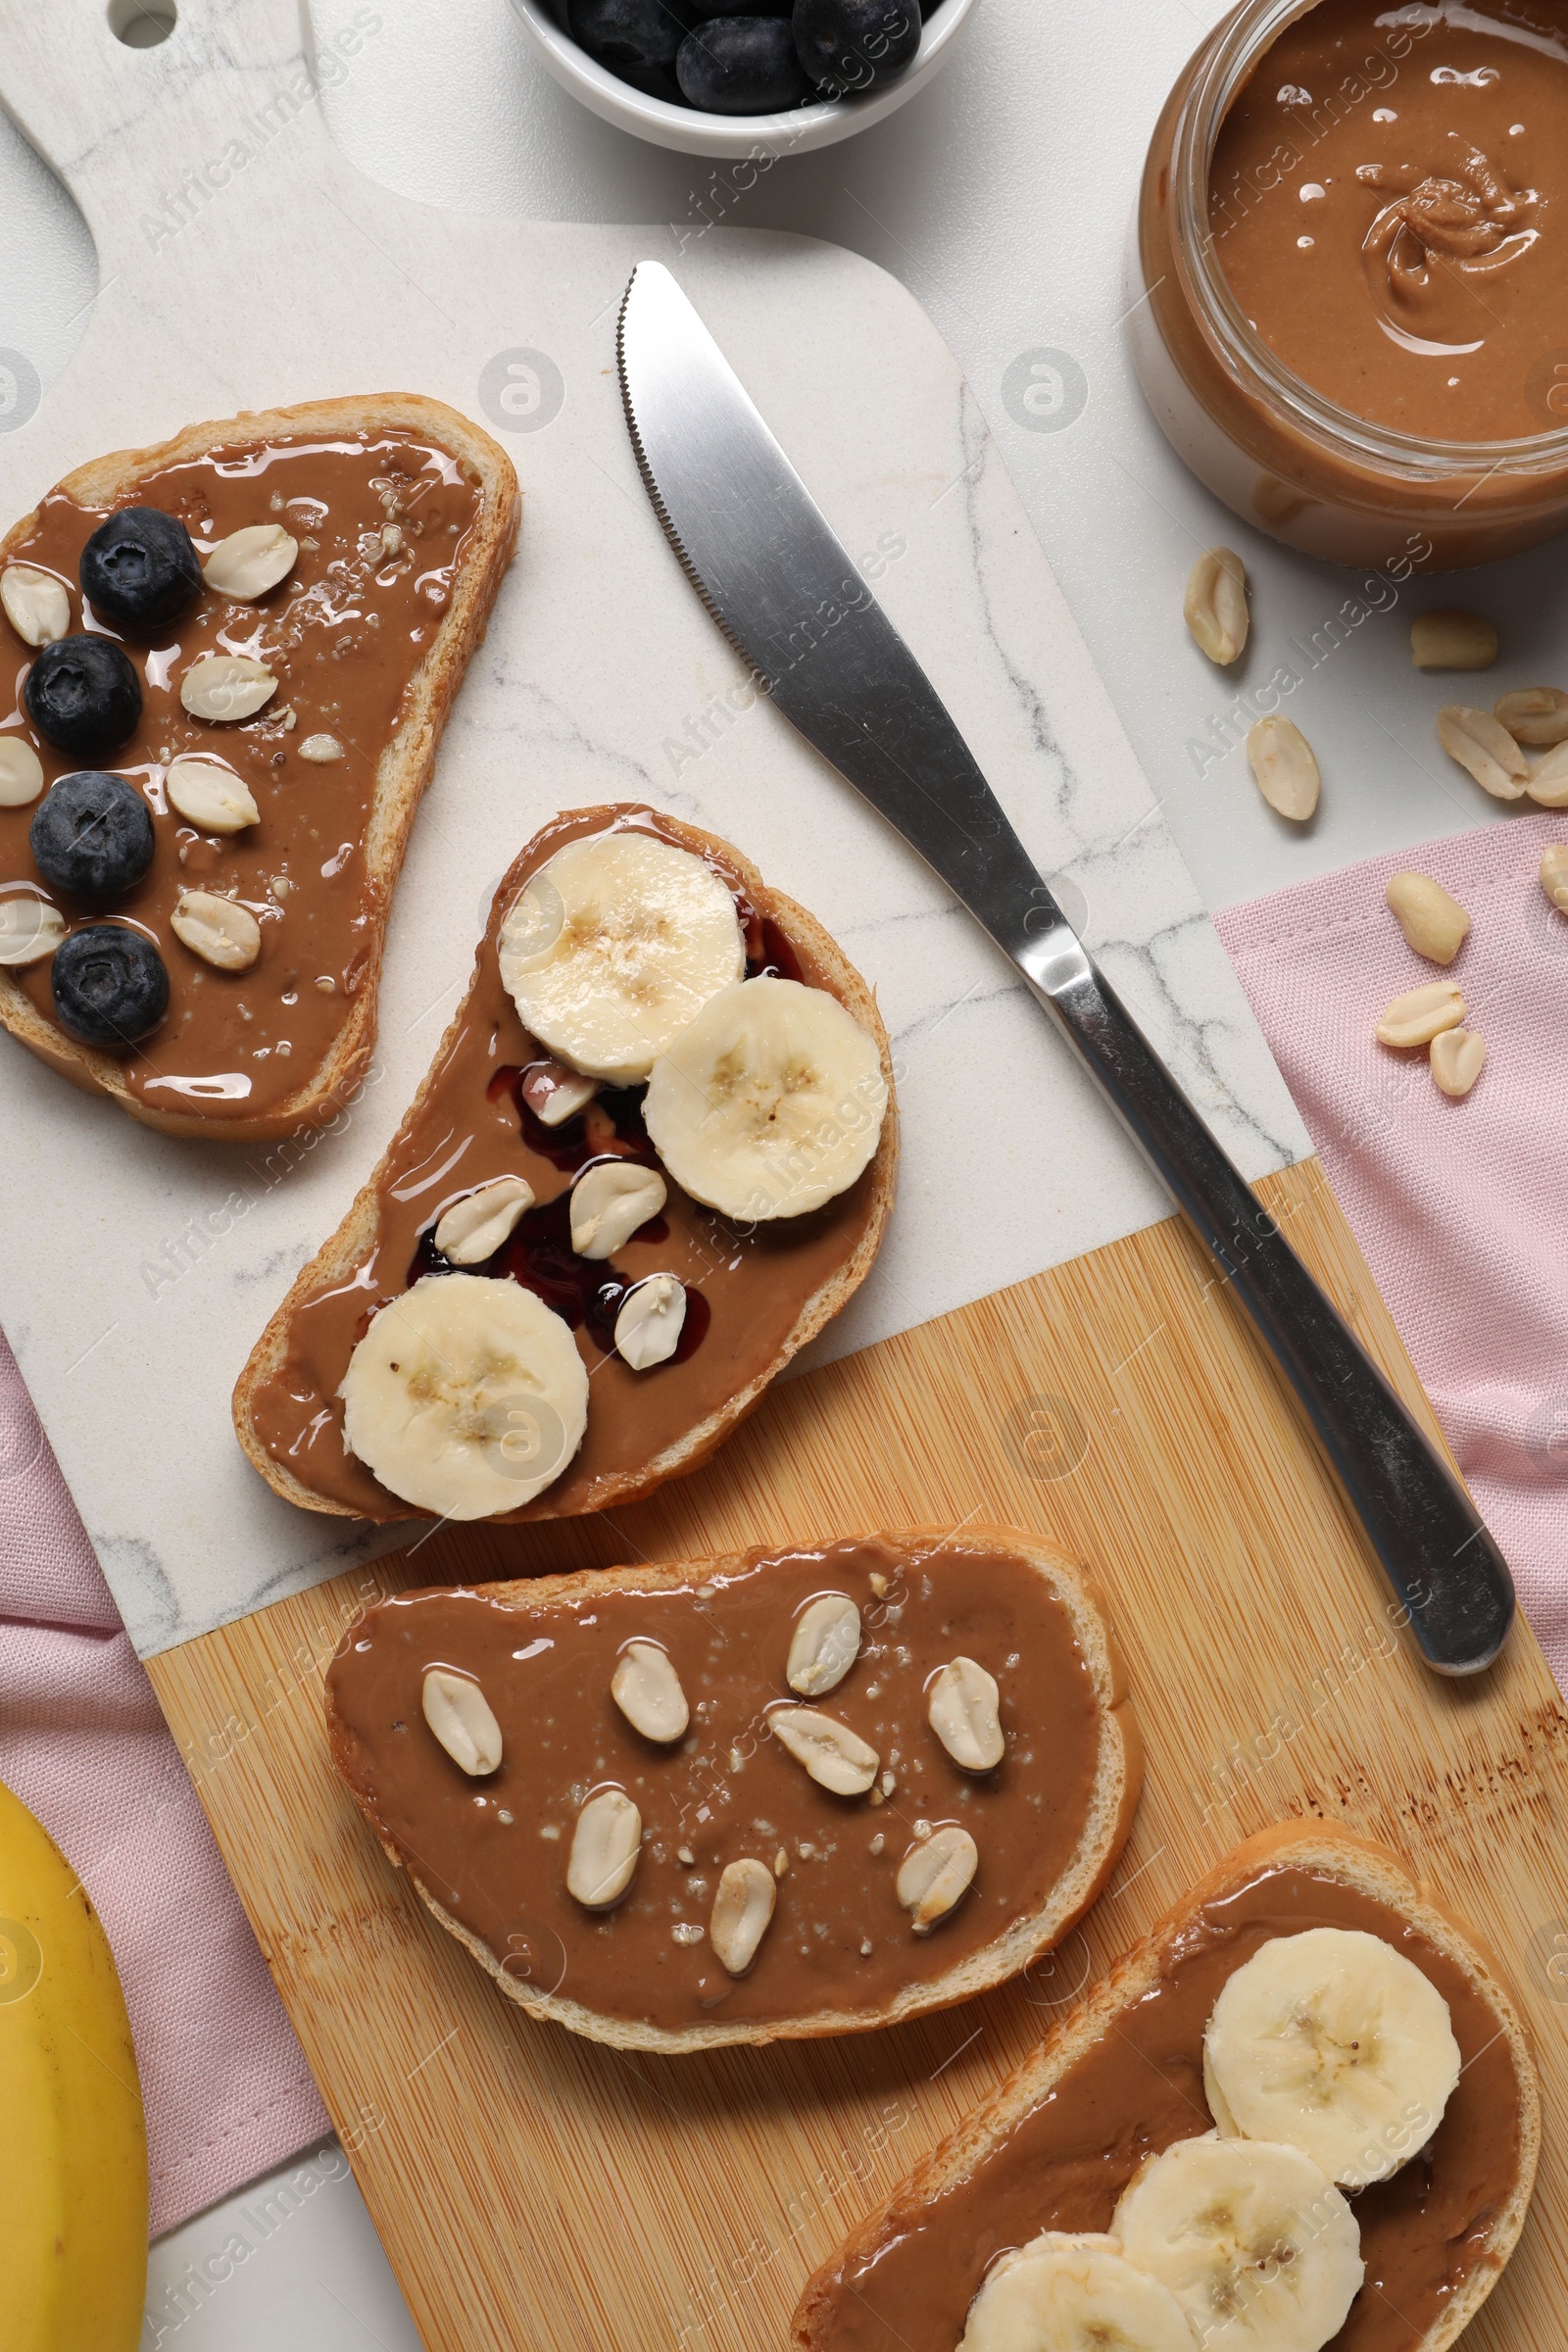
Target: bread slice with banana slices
654	1154
235	653
1302	2113
782	1794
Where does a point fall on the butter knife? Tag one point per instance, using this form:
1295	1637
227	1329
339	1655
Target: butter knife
772	573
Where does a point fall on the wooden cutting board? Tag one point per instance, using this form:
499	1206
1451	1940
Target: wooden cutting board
538	2193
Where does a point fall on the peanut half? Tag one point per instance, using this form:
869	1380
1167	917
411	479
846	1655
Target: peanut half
1534	715
1453	640
963	1711
1285	768
824	1646
836	1757
1421	1014
1214	607
473	1229
1484	749
605	1846
610	1200
30	929
1434	924
220	931
210	796
742	1909
462	1720
250	561
935	1874
1554	876
20	772
1456	1059
1548	779
645	1688
226	687
35	603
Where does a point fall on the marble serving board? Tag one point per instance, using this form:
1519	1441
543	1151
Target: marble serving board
244	263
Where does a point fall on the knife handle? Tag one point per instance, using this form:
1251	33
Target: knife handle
1444	1566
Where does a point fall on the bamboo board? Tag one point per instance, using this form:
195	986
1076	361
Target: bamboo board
538	2193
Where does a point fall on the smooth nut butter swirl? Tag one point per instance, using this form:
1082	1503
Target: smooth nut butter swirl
1140	2090
1389	197
495	1855
745	1290
381	520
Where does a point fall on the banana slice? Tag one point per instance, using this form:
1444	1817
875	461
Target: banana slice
1073	2295
1337	2044
609	950
770	1103
465	1397
1256	2243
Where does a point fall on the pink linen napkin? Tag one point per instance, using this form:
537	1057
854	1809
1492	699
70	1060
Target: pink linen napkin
82	1743
1461	1208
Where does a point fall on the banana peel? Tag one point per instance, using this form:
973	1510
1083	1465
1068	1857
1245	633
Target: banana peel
73	2138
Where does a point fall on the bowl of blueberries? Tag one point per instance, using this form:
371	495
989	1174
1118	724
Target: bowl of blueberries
728	78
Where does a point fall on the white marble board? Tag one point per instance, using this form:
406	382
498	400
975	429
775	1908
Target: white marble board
267	269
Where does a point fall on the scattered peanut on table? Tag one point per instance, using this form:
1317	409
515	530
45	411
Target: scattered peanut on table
1215	607
1285	766
1535	715
1434	924
1456	1057
1485	750
1421	1014
1554	876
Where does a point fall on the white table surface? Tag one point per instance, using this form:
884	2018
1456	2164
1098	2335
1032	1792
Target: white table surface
1002	197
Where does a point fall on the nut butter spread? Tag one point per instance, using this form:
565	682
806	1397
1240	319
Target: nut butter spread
1389	197
1064	2165
382	520
746	1288
493	1852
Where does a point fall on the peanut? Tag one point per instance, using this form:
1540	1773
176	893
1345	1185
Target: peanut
742	1909
1554	876
1534	715
1456	1057
1215	607
1434	924
935	1873
1285	766
825	1644
605	1845
963	1711
836	1757
1421	1014
464	1721
1484	751
1548	779
645	1688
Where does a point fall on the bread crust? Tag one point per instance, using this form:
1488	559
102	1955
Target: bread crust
348	1246
1308	1846
405	762
1118	1779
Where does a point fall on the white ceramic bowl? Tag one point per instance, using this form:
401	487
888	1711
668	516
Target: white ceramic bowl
692	134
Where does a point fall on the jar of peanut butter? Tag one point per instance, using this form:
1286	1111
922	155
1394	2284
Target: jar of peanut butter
1351	275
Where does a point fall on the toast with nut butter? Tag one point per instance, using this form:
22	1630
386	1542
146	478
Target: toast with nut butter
237	652
802	1792
654	1154
1302	2113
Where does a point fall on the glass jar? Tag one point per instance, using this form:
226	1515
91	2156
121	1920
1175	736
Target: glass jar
1282	455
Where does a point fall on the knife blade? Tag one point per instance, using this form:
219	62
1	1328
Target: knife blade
778	581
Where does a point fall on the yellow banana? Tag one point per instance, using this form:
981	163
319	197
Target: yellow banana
72	2142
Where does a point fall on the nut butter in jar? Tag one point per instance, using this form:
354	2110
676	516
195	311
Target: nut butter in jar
1352	275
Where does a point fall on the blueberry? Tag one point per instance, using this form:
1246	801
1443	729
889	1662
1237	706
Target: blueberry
83	696
741	66
108	985
629	32
92	835
850	45
140	566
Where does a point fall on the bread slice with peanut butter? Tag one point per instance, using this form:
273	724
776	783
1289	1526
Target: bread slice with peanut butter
249	637
770	1795
1053	2170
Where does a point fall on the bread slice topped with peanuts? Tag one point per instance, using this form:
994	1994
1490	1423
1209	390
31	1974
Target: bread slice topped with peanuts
774	1794
237	651
655	1152
1302	2113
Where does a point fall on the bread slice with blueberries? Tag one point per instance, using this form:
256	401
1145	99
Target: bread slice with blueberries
238	651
